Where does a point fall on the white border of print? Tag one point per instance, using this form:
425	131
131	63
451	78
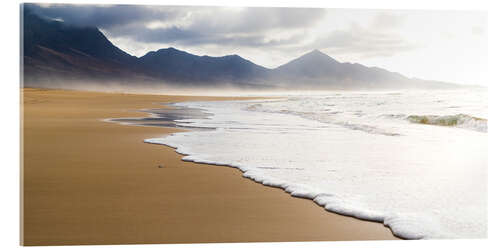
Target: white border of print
9	219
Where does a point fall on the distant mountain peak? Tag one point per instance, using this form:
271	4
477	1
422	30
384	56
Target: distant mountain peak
169	50
310	63
317	54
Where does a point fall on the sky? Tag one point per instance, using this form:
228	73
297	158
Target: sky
438	45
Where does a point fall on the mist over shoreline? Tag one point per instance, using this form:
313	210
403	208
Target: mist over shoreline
64	56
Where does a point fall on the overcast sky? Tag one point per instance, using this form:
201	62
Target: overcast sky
435	45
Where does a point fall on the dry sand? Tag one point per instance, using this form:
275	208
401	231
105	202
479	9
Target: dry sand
92	182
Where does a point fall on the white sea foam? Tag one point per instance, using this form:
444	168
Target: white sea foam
359	154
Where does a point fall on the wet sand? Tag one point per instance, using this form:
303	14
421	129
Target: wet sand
92	182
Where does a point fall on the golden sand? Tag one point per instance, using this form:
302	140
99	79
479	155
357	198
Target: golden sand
92	182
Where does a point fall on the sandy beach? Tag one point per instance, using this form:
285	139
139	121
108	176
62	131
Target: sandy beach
92	182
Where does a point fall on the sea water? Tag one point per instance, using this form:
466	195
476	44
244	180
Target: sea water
415	161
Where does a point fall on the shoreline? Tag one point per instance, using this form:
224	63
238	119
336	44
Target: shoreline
82	188
285	189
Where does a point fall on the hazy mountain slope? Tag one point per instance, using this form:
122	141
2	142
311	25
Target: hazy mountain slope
56	35
56	54
176	65
320	70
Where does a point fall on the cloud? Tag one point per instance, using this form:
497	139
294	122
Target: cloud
251	20
247	27
363	42
386	21
141	28
189	37
101	16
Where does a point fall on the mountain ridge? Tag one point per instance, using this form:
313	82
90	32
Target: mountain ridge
181	66
57	52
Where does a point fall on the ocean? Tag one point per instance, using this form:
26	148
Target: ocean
414	160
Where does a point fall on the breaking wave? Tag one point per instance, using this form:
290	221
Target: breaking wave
460	120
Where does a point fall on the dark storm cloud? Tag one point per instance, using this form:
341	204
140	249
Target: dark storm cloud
187	25
102	16
192	37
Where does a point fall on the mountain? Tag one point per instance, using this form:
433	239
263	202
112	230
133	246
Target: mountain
320	70
179	66
59	55
55	53
58	36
